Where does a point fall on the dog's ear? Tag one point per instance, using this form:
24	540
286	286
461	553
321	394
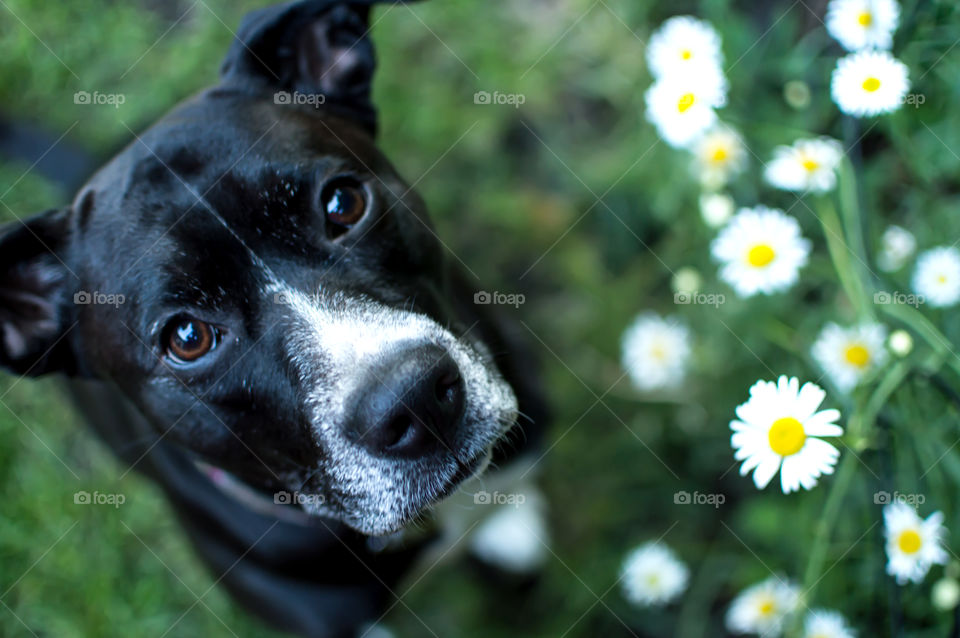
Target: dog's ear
32	292
311	47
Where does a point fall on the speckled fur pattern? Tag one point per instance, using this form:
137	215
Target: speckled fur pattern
332	337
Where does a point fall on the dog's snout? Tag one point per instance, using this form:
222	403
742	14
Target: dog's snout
409	405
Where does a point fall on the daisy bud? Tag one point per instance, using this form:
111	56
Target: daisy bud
797	94
716	209
945	594
686	280
901	343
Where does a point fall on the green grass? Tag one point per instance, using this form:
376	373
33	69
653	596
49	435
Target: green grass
514	195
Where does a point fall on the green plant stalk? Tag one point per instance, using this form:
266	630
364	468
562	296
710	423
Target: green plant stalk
840	255
859	427
852	223
845	240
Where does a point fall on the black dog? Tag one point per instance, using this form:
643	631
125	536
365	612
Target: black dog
254	310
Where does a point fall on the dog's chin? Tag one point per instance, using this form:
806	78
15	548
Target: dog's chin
416	506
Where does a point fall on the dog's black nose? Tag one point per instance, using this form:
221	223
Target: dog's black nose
410	405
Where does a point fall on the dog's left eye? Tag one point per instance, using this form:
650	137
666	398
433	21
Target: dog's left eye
344	203
187	339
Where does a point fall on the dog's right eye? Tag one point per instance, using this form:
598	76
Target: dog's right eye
344	203
186	339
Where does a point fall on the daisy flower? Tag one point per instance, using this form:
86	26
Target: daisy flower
847	355
937	277
653	575
682	105
656	351
913	544
716	209
807	166
512	539
778	429
897	245
763	608
682	44
863	24
719	155
869	83
823	623
761	251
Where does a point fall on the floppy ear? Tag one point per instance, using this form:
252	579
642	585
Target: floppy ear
312	47
32	295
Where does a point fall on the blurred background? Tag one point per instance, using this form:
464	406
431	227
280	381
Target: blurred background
569	199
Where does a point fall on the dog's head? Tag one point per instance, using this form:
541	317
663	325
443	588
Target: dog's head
257	278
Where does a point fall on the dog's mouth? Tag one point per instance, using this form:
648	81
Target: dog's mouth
306	508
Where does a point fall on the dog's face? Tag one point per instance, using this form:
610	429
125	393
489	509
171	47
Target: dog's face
266	289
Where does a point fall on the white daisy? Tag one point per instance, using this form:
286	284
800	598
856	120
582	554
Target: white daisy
823	623
913	544
716	209
656	352
897	245
863	24
653	575
513	538
682	44
807	166
763	608
847	355
681	105
937	277
719	155
761	251
869	83
778	429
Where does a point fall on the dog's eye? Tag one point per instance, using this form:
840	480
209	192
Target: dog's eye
187	339
344	203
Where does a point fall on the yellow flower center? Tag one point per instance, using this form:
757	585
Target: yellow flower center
767	607
909	542
658	352
857	355
941	279
871	84
760	255
786	436
686	101
686	54
719	155
810	165
865	19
